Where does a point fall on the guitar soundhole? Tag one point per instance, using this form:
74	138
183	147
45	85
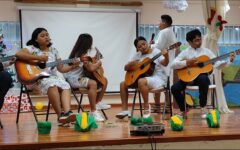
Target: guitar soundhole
142	66
42	65
200	65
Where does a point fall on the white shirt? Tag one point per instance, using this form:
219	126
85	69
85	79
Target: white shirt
165	39
180	61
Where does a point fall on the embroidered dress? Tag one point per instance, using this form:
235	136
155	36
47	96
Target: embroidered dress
54	79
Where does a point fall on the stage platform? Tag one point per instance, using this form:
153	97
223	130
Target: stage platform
112	132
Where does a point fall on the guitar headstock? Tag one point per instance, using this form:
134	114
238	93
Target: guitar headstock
98	54
237	52
175	45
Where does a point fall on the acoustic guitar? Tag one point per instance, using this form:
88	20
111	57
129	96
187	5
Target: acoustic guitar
29	73
97	75
144	68
203	65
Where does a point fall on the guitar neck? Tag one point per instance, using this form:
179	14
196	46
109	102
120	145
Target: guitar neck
6	58
218	58
155	57
159	54
56	63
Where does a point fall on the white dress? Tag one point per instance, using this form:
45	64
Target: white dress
53	80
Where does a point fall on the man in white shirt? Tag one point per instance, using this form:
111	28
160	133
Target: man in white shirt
156	80
165	39
188	58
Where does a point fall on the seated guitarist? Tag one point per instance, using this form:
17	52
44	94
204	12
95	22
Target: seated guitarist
157	80
188	58
78	79
58	90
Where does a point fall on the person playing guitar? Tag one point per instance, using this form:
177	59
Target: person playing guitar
38	50
156	80
89	75
188	60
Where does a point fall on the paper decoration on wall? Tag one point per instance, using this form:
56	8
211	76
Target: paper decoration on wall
219	21
179	5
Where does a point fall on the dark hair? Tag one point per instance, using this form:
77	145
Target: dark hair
193	34
83	43
140	38
167	19
35	33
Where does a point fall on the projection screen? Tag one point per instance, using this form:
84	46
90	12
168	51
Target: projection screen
113	33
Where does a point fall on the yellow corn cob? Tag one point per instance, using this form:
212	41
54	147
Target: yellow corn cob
213	112
84	122
176	120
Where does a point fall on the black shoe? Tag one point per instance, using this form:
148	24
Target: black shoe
67	117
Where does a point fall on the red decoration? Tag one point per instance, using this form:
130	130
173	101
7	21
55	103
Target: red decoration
221	22
213	12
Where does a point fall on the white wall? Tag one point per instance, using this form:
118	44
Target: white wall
112	36
8	10
150	12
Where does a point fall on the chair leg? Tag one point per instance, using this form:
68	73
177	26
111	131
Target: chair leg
170	102
185	106
48	109
80	104
165	105
32	107
78	101
1	126
19	103
134	101
104	114
215	102
140	103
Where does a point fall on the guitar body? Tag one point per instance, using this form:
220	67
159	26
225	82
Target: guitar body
97	75
188	74
28	73
144	68
131	77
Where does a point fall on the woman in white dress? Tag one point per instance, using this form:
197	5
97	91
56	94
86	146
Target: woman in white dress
58	90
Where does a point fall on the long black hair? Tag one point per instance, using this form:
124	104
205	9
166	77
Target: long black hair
84	42
35	33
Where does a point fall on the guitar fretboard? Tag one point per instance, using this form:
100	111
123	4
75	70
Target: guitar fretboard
219	58
56	63
159	54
